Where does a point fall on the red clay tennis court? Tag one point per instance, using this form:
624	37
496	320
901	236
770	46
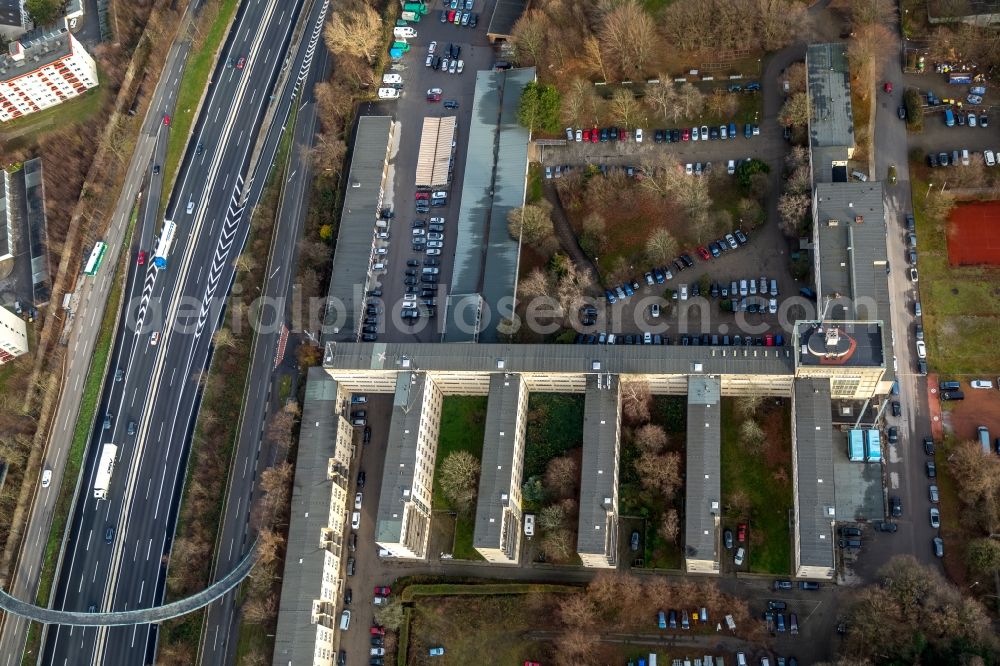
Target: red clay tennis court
974	234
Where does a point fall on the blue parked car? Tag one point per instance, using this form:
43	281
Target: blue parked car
732	130
658	276
661	619
628	290
779	340
611	296
747	130
753	87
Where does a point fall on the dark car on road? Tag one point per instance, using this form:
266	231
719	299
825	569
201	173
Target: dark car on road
782	585
893	435
849	531
367	437
896	409
896	507
728	539
931	470
928	446
886	526
361	479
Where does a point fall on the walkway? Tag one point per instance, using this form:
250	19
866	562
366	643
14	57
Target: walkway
564	232
139	615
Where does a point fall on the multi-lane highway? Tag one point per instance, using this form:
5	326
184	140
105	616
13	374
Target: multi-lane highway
118	548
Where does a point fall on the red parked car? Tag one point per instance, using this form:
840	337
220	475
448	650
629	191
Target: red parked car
594	135
422	196
378	631
586	135
382	591
768	340
741	532
705	254
887	87
685	134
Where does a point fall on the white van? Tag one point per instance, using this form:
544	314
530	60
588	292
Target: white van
965	157
404	32
390	79
388	93
190	207
529	524
345	620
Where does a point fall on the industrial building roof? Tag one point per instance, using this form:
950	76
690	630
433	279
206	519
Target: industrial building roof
34	209
494	183
6	221
434	156
362	200
498	464
813	474
33	50
829	83
295	638
618	359
400	455
703	476
599	465
505	15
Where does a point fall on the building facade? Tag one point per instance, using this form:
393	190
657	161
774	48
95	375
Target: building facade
13	336
43	68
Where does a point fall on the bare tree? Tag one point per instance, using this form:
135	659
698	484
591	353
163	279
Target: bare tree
792	209
558	544
661	247
636	401
690	101
593	238
624	107
532	224
868	52
796	77
795	111
661	96
354	31
577	610
869	12
627	34
390	615
259	610
537	283
223	339
660	472
552	517
747	405
594	57
752	436
670	528
562	475
528	37
459	478
650	438
722	103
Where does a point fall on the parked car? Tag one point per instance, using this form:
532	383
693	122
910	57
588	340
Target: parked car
935	517
938	544
740	556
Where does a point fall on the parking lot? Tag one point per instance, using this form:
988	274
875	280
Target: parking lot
410	110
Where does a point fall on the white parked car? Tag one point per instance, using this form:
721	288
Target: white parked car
461	66
689	168
731	167
638	135
987	155
921	349
357	501
432	47
388	93
390	79
356	520
684	292
694	133
740	554
981	384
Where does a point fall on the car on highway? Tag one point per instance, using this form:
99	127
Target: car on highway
166	120
109	534
154	338
46	478
935	517
141	258
241	63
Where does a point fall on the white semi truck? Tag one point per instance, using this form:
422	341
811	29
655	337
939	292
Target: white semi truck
105	468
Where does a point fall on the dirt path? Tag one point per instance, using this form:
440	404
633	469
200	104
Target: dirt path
564	232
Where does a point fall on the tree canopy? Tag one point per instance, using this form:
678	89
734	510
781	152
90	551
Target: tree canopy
539	107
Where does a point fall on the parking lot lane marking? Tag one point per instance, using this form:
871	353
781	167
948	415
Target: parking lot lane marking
894	480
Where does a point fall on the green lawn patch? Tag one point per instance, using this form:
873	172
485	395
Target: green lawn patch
463	426
534	183
555	425
762	482
77	111
463	548
192	84
961	311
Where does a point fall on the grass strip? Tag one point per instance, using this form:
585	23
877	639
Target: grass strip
81	434
486	589
192	85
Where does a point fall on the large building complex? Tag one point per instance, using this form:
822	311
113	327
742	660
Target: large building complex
44	67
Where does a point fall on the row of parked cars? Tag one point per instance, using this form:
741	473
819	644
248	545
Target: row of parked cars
448	61
703	133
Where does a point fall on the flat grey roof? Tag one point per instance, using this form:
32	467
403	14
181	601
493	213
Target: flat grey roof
599	466
823	159
41	47
852	254
703	488
498	464
355	238
400	456
34	203
865	338
813	477
831	122
618	359
505	15
295	637
495	179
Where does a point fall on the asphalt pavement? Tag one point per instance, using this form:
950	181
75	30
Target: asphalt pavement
221	622
87	305
158	391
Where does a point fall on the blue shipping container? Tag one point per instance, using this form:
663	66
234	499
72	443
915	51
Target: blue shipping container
873	446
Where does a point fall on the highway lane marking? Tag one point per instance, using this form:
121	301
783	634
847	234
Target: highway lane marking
134	392
142	586
226	181
217	112
148	486
136	553
89	535
160	435
97	565
202	267
76	384
135	628
231	542
172	374
239	139
149	549
246	461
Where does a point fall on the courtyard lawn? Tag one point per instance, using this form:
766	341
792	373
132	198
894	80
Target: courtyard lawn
555	425
757	488
463	426
961	311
